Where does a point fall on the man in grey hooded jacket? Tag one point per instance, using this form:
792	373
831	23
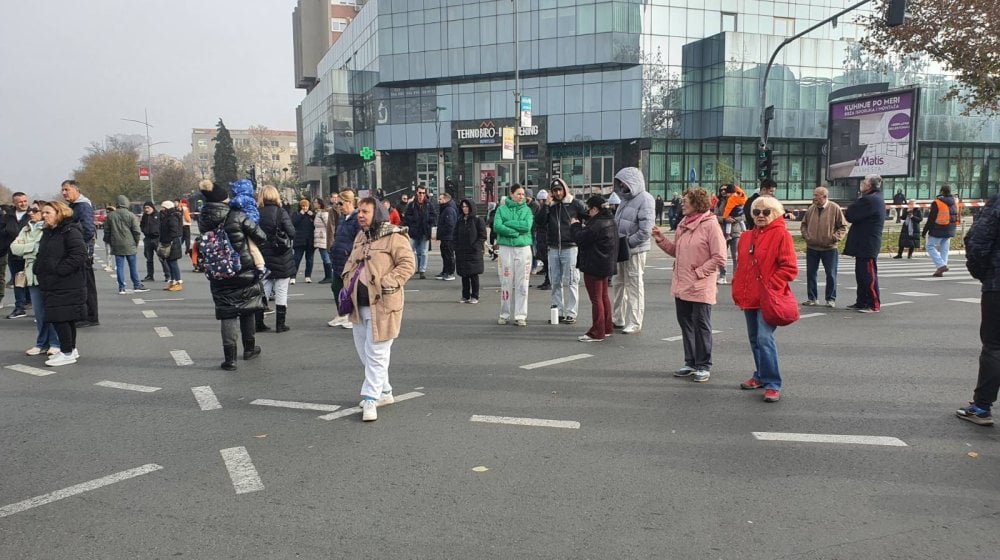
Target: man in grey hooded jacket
635	218
122	235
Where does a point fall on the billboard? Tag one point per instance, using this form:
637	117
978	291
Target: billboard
875	134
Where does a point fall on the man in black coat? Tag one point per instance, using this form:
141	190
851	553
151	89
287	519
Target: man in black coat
83	215
864	241
447	219
420	217
149	224
15	263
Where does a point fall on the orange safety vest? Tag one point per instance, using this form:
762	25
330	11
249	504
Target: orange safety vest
945	215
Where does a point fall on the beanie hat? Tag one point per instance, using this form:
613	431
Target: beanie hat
213	192
596	201
543	195
167	204
149	204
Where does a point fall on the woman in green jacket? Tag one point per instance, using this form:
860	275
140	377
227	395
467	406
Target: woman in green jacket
26	245
512	224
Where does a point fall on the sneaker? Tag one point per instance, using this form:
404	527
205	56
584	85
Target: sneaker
368	410
122	292
309	280
854	307
867	310
385	399
631	329
76	353
701	376
898	257
34	351
439	276
17	314
567	320
771	395
521	323
587	338
752	383
976	415
60	359
545	286
149	279
333	322
268	311
449	278
140	289
684	371
463	300
53	351
831	304
292	281
169	285
809	303
347	324
473	301
503	321
721	280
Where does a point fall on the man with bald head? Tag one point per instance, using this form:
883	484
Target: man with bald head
822	229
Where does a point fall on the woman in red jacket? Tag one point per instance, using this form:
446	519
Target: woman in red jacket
766	255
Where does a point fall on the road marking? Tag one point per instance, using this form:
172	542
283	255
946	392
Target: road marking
77	489
973	283
297	405
526	421
149	313
890	304
829	438
809	315
966	300
556	361
206	398
181	357
357	409
138	301
30	370
940	278
676	338
163	332
914	294
127	386
241	470
163	299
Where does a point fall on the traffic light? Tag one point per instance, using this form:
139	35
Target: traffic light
895	14
764	163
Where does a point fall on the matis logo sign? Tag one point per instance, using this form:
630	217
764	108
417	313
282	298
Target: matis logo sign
870	160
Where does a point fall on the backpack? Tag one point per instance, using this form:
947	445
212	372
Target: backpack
217	254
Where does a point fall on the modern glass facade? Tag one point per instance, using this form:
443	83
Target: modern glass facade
670	85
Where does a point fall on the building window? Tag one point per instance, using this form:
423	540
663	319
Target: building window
203	156
784	27
729	21
293	146
202	143
338	25
344	2
275	143
275	157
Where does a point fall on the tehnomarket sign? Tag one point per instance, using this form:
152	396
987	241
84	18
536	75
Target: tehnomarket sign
488	132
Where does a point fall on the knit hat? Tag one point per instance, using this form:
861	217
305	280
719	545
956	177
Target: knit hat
167	204
614	199
596	201
213	192
149	204
543	195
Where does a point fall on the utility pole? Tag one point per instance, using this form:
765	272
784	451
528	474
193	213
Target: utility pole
149	149
517	106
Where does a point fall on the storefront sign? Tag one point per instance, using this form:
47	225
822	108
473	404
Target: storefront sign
489	133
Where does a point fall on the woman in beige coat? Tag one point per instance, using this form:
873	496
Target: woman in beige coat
383	261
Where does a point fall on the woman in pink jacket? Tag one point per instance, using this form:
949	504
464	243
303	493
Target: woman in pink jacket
700	252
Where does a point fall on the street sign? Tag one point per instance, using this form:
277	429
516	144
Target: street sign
525	111
692	176
143	173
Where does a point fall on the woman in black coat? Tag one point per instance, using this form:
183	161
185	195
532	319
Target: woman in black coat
170	232
597	241
304	221
237	299
59	268
470	234
277	256
909	233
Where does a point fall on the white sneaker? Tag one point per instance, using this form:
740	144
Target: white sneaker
700	376
53	351
631	329
721	280
473	301
386	399
334	322
347	324
33	351
309	280
586	338
292	282
831	304
60	359
369	410
76	353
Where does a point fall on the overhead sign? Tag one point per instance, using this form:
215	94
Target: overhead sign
507	152
873	135
525	110
143	173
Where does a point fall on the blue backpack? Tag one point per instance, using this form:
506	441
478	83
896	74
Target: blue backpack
217	254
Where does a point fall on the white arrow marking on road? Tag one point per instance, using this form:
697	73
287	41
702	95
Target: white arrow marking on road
127	386
181	358
676	338
556	361
241	470
829	438
890	304
914	294
149	313
357	409
30	370
206	398
966	300
77	489
138	301
526	421
810	315
297	405
163	332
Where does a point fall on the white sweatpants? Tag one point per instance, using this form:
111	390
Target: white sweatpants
515	271
630	300
374	356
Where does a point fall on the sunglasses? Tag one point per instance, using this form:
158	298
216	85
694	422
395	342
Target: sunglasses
340	204
758	212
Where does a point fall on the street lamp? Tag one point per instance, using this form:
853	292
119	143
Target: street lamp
517	105
149	149
440	155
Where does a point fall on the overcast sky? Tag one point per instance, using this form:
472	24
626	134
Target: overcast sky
71	69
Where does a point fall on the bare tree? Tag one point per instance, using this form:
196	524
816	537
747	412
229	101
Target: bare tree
661	98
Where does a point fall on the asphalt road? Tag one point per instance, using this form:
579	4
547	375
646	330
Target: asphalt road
643	465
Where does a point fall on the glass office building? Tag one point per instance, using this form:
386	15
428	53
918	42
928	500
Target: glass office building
670	86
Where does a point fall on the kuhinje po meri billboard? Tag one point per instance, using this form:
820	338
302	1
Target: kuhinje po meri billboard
874	134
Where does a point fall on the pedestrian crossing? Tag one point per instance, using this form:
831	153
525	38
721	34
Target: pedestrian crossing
918	268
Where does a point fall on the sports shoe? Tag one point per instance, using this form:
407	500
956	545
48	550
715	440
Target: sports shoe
385	399
268	311
149	279
976	415
309	280
369	412
53	351
423	276
439	276
752	383
34	351
449	277
122	292
631	329
853	307
809	303
347	324
140	289
831	304
60	359
17	314
684	371
721	280
473	301
867	310
701	376
771	395
545	286
333	322
463	300
521	322
587	338
567	320
503	321
292	281
76	353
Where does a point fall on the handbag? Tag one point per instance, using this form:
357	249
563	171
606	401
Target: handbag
279	243
163	250
623	252
778	306
344	303
21	279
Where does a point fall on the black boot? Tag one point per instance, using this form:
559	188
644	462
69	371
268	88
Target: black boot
250	349
327	274
259	325
230	352
280	325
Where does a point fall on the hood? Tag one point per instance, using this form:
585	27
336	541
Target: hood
779	221
449	203
631	177
213	214
510	203
383	229
472	208
83	198
122	201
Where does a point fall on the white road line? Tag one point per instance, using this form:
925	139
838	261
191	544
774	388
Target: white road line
940	278
297	405
149	313
556	361
138	301
810	315
127	386
973	283
206	398
966	300
77	489
38	372
241	470
163	299
163	332
357	409
914	294
676	338
181	358
892	303
526	422
829	438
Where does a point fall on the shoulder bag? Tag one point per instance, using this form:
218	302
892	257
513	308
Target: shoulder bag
344	303
778	306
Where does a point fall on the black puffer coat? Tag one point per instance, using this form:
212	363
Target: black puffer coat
598	243
470	234
243	293
170	232
59	269
273	218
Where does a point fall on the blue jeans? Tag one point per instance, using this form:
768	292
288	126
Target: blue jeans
765	351
937	250
830	259
565	279
297	253
15	266
174	269
47	337
420	247
324	256
133	271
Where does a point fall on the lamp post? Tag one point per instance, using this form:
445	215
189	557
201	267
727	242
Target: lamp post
517	105
440	155
149	149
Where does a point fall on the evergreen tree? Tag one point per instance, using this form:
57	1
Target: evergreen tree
224	167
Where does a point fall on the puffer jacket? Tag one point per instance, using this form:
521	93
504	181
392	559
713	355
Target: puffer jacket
304	229
389	263
59	268
170	232
319	230
982	244
26	246
597	240
470	234
699	249
273	218
242	293
774	254
513	223
447	218
636	214
343	242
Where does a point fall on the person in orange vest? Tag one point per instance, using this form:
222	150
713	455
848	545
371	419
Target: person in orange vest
940	228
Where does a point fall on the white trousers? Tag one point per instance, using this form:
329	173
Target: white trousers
374	356
515	271
276	289
630	299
